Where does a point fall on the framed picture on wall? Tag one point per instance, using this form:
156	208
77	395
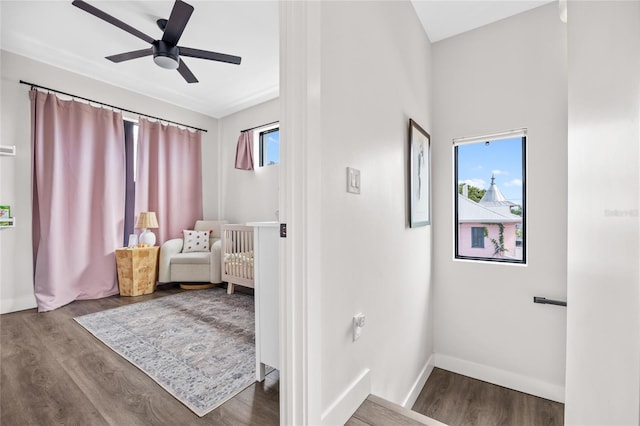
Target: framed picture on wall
419	176
5	216
5	212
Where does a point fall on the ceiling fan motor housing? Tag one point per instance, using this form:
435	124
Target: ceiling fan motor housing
166	55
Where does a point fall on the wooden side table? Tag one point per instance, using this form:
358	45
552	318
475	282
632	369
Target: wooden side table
137	270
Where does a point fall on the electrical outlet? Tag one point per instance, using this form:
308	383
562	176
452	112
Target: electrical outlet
358	324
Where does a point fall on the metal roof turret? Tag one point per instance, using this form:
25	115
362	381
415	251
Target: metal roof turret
494	197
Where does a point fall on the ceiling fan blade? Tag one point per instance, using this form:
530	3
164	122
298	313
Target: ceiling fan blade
178	19
205	54
186	73
131	55
110	19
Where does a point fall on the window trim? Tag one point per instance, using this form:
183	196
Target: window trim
511	134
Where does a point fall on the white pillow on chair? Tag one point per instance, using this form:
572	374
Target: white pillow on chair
195	241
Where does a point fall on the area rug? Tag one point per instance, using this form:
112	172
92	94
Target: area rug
198	345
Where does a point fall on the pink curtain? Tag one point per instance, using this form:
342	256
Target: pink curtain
78	199
244	151
169	177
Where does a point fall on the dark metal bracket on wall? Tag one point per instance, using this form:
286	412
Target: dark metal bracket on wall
545	301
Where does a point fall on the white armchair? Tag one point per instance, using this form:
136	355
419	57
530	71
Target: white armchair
192	267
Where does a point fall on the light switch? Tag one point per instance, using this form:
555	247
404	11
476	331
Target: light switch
358	323
353	180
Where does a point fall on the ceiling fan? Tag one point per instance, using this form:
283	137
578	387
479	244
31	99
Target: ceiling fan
166	52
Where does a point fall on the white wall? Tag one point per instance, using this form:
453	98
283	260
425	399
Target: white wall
16	286
247	196
603	324
374	63
507	75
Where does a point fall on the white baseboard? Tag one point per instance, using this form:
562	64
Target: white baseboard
17	304
500	377
419	383
348	402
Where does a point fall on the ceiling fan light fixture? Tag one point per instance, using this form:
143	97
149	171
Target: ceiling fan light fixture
166	62
165	55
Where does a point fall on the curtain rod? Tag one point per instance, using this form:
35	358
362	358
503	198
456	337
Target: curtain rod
257	127
110	106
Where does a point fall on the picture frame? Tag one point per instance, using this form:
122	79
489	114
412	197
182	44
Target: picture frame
5	216
419	176
5	212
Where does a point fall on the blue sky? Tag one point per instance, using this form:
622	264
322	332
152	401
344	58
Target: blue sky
502	158
273	147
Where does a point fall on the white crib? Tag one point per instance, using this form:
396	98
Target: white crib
237	256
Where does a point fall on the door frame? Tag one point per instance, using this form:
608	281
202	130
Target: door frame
300	208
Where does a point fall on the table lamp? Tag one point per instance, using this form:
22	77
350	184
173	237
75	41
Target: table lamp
145	221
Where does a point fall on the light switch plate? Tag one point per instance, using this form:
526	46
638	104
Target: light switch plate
353	180
358	324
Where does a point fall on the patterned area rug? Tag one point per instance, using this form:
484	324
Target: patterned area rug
198	345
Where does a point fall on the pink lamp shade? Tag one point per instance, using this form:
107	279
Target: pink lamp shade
147	220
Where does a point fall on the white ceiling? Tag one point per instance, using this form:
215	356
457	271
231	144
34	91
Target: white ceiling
57	33
447	18
60	34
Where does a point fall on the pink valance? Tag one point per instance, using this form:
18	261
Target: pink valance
244	151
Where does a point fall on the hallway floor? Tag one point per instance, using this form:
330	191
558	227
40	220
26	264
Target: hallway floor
458	400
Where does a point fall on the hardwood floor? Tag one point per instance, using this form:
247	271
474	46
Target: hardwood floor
376	411
459	400
53	372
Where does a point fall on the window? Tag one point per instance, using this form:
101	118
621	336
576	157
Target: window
269	146
131	152
477	237
490	213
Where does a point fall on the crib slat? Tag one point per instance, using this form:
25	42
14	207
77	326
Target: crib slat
244	250
237	246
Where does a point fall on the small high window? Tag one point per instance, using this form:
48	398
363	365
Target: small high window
490	213
269	146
